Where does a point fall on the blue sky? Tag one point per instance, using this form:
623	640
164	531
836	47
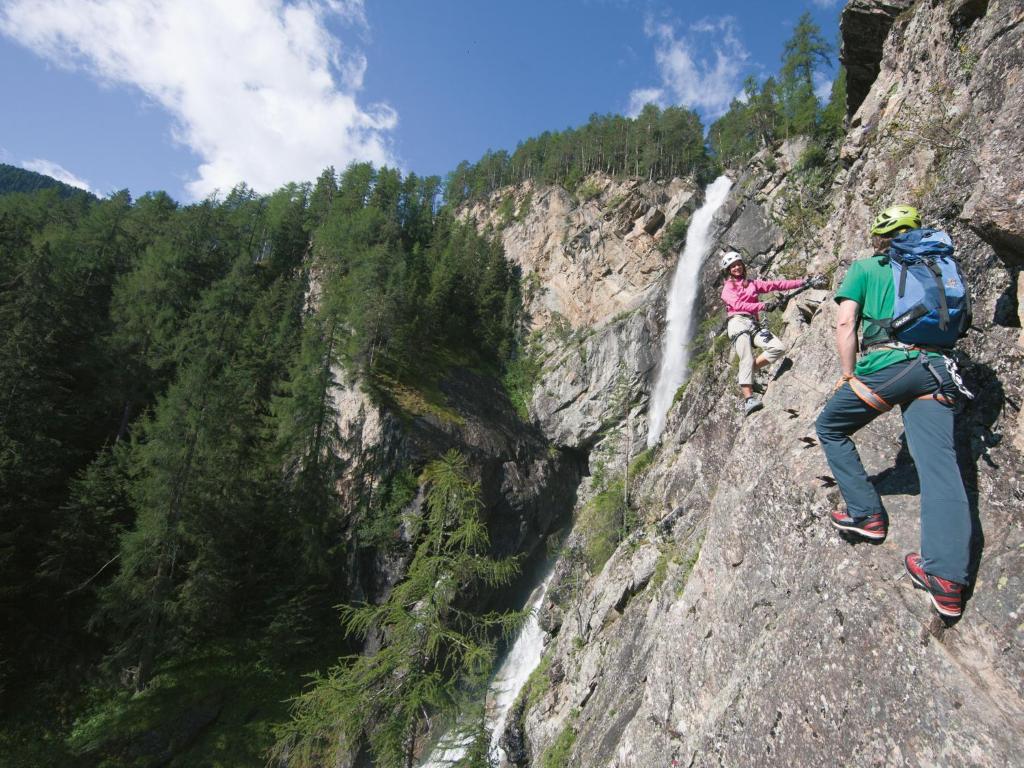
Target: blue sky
196	95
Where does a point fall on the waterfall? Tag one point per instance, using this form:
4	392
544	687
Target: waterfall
518	665
675	352
508	681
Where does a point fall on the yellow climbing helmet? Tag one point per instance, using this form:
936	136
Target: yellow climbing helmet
896	217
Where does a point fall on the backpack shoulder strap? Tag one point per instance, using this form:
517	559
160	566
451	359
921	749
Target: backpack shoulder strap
936	271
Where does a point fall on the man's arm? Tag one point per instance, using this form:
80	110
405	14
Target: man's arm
846	336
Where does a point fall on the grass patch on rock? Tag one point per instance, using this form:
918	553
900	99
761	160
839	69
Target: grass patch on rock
559	752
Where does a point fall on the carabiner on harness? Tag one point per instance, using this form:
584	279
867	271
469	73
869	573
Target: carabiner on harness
954	374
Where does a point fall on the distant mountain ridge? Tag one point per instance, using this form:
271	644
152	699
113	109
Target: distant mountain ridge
14	179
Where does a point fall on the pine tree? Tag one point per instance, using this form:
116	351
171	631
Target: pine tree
190	565
833	118
432	646
803	52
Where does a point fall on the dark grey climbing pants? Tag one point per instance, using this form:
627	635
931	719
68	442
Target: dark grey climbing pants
928	425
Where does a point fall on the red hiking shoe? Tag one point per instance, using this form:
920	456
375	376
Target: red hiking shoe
873	527
946	595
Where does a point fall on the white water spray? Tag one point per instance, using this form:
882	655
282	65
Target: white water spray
508	681
675	352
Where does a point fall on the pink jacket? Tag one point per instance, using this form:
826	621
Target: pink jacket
740	296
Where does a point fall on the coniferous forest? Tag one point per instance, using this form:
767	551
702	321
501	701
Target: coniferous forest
172	541
168	451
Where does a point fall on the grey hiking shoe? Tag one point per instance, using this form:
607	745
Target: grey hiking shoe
752	404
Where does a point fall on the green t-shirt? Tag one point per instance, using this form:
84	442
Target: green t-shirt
869	283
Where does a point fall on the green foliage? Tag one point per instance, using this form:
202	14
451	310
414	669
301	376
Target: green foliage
748	125
968	58
560	328
680	391
675	564
604	522
641	463
382	517
774	322
537	684
588	190
686	559
708	353
30	738
15	180
228	684
660	571
832	126
674	235
476	732
506	211
525	206
170	456
804	208
803	52
614	202
814	156
63	389
708	345
434	652
522	374
657	144
782	106
559	752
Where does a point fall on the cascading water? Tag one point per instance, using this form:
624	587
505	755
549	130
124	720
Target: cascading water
518	665
526	653
508	681
675	352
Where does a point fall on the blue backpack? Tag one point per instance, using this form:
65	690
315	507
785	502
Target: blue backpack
932	307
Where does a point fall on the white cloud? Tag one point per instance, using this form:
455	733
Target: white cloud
824	3
822	86
58	172
643	96
260	90
700	69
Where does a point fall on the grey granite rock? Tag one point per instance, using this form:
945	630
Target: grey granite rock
765	639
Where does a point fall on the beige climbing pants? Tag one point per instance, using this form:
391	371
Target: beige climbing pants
743	332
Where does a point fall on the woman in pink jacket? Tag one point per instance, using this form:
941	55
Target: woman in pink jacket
744	310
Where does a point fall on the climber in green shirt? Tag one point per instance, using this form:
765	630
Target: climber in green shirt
868	283
924	385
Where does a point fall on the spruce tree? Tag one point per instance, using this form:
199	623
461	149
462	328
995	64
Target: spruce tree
432	647
803	53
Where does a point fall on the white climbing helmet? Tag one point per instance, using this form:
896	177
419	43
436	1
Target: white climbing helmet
730	258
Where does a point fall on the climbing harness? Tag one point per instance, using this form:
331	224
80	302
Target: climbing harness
874	400
756	329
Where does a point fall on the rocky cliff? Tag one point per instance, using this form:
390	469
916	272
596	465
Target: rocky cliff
731	626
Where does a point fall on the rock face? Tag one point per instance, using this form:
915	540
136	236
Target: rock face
594	271
607	370
735	627
586	261
864	27
528	488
